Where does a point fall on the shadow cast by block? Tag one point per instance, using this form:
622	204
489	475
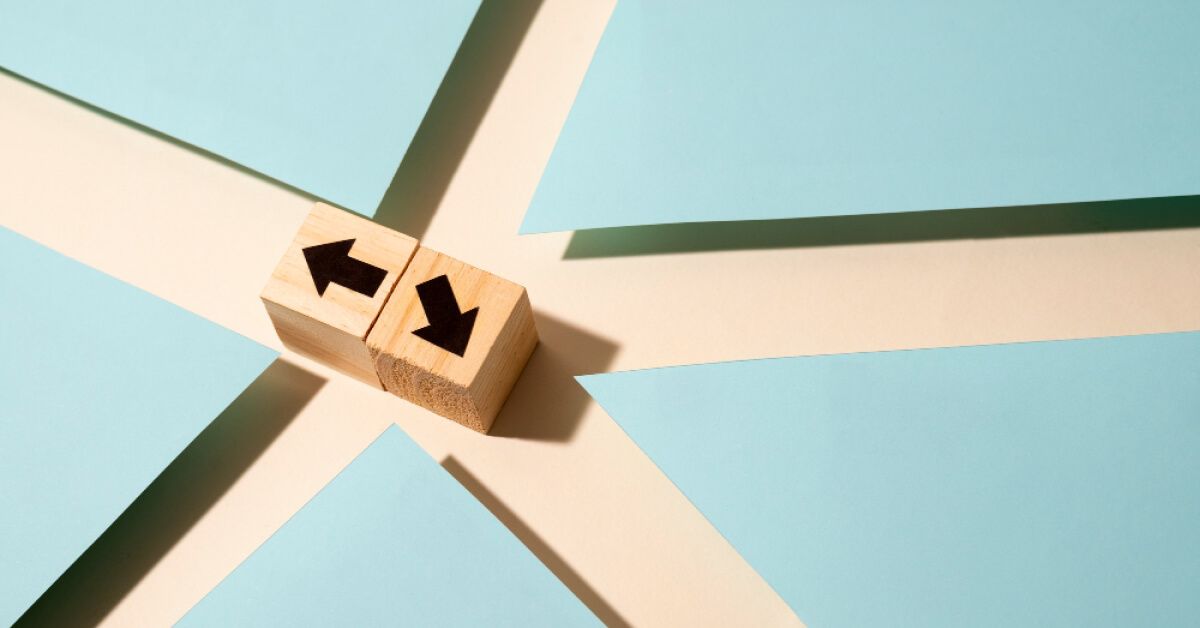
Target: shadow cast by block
547	403
113	565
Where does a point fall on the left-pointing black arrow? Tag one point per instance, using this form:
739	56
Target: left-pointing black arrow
331	263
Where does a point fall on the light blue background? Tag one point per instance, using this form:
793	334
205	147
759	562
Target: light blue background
392	541
101	386
779	109
1039	484
324	96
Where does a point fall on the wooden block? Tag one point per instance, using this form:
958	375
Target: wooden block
453	338
329	288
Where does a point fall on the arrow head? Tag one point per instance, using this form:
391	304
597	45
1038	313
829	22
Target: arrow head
331	263
325	260
451	334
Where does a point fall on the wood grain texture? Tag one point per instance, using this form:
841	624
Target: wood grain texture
469	389
332	328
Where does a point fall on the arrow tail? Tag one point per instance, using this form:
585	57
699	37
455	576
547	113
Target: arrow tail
437	299
360	276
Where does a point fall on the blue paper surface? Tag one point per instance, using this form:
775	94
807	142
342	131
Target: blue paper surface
324	96
782	109
101	386
393	540
1048	484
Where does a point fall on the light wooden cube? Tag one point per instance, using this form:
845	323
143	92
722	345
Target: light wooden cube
331	285
453	338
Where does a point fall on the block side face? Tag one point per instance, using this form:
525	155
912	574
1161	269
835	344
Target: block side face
496	298
325	344
292	285
429	390
504	365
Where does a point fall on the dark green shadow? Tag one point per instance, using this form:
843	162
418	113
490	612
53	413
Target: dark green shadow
108	570
1176	212
432	157
536	544
454	115
159	135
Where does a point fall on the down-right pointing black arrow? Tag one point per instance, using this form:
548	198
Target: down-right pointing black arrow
449	327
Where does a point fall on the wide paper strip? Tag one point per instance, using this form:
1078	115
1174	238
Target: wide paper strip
1046	483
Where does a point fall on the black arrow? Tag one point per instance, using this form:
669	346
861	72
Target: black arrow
332	263
449	327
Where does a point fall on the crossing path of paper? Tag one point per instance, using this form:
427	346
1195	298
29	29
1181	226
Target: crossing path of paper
103	385
322	96
1048	483
715	111
393	538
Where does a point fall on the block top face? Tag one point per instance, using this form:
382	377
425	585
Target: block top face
340	269
440	308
